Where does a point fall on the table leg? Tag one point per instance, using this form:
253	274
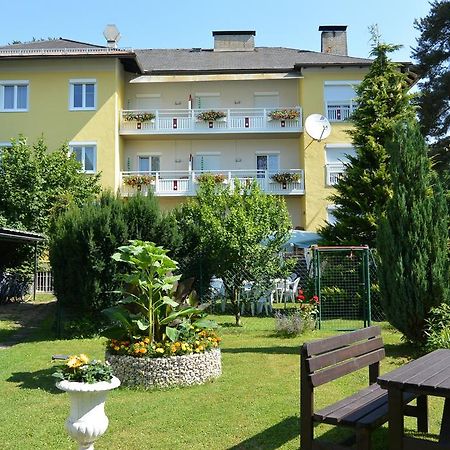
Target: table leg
396	419
422	414
444	435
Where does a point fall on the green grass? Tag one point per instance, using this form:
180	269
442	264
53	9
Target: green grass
254	405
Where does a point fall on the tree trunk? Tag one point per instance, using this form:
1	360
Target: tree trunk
237	312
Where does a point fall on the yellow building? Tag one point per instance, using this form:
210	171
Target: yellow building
158	119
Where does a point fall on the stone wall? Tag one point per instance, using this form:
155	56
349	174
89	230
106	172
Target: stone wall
185	370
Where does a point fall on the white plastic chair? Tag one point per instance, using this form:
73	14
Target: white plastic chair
291	291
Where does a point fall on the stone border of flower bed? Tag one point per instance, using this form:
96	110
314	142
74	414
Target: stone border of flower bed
184	370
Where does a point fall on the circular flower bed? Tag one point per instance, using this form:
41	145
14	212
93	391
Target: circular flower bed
182	370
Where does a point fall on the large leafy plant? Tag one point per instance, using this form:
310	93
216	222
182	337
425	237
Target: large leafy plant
154	303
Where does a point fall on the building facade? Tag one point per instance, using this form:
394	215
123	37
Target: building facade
159	120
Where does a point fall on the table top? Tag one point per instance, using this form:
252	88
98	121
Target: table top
429	374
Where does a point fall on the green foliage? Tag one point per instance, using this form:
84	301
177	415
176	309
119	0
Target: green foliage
362	193
37	186
78	368
152	303
83	240
412	238
294	324
438	328
236	234
432	54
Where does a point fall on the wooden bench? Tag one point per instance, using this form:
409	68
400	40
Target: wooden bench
329	359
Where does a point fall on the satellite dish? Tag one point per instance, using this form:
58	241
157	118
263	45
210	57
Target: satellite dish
317	126
112	35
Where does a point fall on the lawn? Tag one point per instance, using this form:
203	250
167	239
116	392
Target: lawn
254	405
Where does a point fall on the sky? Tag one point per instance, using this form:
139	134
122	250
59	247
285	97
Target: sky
187	24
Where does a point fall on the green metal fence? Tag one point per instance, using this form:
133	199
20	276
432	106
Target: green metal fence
345	282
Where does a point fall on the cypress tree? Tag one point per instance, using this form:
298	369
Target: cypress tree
412	238
362	193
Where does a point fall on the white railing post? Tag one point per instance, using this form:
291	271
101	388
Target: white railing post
228	119
156	182
266	181
265	118
192	187
157	119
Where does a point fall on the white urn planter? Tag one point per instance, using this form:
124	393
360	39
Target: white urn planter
87	420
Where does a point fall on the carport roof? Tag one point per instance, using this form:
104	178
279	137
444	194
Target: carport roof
9	234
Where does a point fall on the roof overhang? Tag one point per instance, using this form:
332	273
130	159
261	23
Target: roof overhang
182	77
25	237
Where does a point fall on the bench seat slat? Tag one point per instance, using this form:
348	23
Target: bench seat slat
367	408
342	354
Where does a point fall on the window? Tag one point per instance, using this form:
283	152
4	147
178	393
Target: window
266	100
331	218
339	99
336	158
82	95
148	163
86	154
14	96
267	162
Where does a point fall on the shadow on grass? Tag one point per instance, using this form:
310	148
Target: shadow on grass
402	351
35	322
282	350
41	379
273	437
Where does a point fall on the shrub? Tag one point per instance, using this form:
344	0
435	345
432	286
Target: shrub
293	324
438	328
83	240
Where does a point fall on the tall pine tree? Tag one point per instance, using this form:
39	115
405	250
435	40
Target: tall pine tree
362	193
433	55
412	238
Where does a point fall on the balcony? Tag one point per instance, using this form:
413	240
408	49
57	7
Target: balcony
185	183
334	173
340	113
186	121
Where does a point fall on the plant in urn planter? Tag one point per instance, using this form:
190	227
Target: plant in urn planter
160	336
87	383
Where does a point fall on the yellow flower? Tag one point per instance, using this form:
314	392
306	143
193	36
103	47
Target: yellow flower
160	350
200	348
116	348
183	347
75	361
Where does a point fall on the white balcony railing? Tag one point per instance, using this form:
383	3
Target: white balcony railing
185	183
168	121
334	173
340	113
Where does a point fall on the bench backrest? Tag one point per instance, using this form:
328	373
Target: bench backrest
328	359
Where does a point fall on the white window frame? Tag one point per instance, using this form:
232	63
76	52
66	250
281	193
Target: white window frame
350	103
267	153
83	145
83	82
14	83
333	168
148	155
330	210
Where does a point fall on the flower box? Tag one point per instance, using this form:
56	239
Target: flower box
212	116
283	114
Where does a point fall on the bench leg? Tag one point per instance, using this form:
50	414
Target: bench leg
363	441
422	414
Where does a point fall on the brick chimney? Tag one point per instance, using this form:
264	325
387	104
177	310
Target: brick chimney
234	41
334	39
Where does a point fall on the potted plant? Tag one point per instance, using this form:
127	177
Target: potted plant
285	177
284	114
159	335
216	177
139	117
138	181
87	383
211	116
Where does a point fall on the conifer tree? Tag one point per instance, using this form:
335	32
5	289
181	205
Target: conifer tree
412	238
362	193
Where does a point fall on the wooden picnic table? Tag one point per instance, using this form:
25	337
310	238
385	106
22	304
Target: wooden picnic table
428	375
